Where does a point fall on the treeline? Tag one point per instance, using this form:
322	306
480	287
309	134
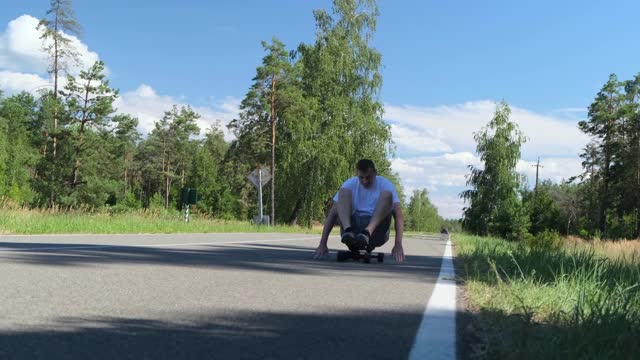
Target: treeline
602	202
310	114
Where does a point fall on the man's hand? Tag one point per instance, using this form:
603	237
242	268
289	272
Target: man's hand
322	252
398	252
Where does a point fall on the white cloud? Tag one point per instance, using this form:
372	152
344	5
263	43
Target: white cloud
432	172
453	127
14	82
149	107
23	62
412	140
554	169
449	206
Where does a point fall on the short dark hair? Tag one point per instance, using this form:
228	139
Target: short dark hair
365	164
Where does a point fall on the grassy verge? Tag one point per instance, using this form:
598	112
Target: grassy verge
573	303
25	221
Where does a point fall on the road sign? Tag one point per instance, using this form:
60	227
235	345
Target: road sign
255	175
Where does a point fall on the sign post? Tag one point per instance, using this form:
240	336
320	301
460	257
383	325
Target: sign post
189	197
259	178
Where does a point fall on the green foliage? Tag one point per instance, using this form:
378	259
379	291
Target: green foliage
156	202
548	303
420	214
166	156
547	239
452	225
77	169
17	156
494	205
543	210
215	192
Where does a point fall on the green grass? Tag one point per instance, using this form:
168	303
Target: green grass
25	221
551	304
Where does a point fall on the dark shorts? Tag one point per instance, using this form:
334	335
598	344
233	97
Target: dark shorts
380	235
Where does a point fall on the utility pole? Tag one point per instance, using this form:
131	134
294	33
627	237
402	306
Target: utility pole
537	166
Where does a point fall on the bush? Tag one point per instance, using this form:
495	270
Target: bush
584	233
548	239
156	202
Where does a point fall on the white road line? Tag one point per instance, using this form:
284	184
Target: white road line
436	336
64	248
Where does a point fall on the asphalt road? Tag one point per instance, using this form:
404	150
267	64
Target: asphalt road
207	296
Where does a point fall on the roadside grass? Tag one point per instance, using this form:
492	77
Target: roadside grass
37	221
624	249
572	303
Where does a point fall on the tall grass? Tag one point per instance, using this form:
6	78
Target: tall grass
47	221
624	249
540	303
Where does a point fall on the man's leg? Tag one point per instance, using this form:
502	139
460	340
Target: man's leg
382	211
345	208
380	235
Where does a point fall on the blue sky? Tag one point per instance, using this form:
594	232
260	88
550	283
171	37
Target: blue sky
444	64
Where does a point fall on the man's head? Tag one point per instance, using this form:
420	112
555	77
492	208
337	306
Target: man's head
366	172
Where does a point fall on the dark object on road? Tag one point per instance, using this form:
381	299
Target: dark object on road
444	231
359	249
363	255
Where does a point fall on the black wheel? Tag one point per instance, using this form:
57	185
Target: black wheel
367	258
380	257
343	255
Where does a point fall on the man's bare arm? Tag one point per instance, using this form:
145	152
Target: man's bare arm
398	250
399	222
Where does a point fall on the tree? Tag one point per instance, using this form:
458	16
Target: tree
603	123
90	102
207	176
628	164
544	212
61	51
16	113
340	82
124	142
261	107
421	215
494	206
170	146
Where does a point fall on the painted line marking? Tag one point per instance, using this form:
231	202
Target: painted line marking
436	336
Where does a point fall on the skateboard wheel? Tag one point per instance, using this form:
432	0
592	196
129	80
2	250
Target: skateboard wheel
380	257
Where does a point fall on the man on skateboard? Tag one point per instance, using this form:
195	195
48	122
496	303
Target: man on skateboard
363	207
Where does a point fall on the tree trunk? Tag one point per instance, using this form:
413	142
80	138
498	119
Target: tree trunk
125	173
55	93
293	219
166	202
273	150
52	199
604	200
